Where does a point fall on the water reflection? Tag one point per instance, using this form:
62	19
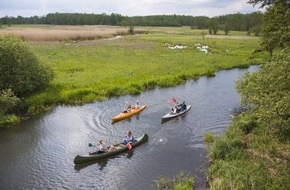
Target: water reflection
103	162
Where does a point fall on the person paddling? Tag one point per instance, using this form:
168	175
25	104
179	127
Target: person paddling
128	107
128	139
182	106
101	148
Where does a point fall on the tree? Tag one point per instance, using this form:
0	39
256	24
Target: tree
226	28
275	33
131	29
213	26
266	95
203	34
255	21
266	92
20	69
262	2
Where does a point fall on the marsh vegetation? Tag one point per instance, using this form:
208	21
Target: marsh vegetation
92	63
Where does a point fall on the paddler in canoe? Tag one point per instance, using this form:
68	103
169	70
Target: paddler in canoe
101	148
129	111
128	139
137	106
128	107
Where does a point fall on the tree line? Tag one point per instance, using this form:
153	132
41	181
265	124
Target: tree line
239	22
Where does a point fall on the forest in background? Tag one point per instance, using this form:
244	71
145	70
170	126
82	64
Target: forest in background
236	22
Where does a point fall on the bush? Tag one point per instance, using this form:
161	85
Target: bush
20	69
7	100
8	120
266	95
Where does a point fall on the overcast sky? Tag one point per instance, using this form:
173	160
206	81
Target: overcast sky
210	8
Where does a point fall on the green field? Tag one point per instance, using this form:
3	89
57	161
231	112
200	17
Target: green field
90	70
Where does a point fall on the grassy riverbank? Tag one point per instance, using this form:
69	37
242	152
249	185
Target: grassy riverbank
243	160
254	153
90	70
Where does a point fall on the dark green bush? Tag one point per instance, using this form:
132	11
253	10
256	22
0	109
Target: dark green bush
20	69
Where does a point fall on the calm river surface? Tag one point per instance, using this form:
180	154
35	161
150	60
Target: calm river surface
39	152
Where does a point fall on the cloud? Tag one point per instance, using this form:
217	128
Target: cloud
125	7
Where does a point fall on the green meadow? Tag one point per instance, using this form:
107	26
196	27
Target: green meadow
92	70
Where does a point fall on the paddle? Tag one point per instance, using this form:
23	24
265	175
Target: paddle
90	145
172	100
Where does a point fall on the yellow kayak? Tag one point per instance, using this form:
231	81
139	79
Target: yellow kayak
129	113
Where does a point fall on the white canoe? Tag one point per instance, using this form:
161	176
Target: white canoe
172	115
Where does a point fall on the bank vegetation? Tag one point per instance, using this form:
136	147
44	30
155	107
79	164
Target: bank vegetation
254	152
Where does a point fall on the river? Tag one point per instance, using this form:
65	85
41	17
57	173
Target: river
38	153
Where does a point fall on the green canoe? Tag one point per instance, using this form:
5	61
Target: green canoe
119	148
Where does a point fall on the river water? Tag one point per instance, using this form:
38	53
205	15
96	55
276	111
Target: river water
38	153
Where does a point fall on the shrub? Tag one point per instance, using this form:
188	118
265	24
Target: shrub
8	120
20	69
7	100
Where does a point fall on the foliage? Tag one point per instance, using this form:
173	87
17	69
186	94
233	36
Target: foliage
179	182
235	22
256	22
226	28
213	26
275	32
7	120
254	152
242	160
20	70
266	94
264	3
203	34
209	137
7	100
131	29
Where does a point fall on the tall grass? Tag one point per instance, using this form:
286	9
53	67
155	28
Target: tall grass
247	159
64	33
181	181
